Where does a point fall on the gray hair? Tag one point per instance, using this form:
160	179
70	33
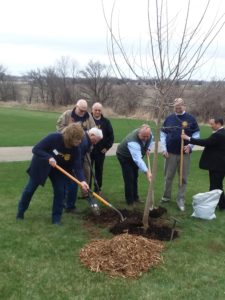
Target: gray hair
97	104
96	131
82	104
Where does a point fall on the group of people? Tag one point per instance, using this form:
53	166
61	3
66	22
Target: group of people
183	126
82	140
178	135
79	147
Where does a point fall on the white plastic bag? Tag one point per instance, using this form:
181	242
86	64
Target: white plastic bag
204	204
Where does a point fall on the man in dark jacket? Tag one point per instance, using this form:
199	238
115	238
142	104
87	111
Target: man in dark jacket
63	149
91	137
171	149
213	156
99	150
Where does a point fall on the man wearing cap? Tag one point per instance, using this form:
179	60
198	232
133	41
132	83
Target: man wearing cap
78	114
170	138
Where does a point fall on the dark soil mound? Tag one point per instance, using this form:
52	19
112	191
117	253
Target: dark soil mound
159	228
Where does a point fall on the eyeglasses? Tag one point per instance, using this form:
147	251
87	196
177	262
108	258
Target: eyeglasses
97	110
82	110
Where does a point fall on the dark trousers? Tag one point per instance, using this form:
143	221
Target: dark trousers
97	162
130	177
71	195
216	182
59	183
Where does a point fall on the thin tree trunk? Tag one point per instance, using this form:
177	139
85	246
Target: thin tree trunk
150	196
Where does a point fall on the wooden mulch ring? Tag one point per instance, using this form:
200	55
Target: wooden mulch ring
124	255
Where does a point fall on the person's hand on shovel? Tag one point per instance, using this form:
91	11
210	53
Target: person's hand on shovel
185	137
84	186
187	148
52	162
148	173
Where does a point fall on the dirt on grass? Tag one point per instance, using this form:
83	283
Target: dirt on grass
160	228
132	250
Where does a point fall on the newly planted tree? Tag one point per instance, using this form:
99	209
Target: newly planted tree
175	48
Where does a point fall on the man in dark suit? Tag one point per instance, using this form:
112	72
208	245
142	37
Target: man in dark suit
213	156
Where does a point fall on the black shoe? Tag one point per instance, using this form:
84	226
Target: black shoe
139	201
57	223
20	216
72	210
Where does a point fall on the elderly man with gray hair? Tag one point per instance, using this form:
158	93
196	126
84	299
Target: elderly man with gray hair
99	151
92	137
78	114
130	154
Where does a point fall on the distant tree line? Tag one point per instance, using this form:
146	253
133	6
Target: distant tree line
64	83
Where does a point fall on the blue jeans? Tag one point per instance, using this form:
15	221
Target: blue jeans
59	184
71	195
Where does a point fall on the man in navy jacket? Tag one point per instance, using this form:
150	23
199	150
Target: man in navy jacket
91	137
170	138
99	150
213	156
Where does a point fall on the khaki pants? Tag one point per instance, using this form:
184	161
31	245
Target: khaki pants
171	166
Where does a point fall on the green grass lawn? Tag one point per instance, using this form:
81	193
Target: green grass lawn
20	127
41	261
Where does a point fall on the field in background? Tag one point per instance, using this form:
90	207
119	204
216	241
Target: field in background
23	127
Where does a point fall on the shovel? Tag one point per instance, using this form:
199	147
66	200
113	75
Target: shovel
154	212
152	199
96	196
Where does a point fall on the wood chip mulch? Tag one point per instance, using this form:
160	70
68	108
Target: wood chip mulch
124	255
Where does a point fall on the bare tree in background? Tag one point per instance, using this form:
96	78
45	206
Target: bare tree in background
175	48
55	85
36	83
8	90
52	82
67	71
127	97
209	100
98	87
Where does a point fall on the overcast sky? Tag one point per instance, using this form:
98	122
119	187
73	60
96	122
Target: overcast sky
37	33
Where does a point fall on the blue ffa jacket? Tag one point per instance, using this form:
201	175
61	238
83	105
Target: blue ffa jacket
53	146
172	127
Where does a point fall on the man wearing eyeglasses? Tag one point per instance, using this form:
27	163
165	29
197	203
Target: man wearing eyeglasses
78	114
